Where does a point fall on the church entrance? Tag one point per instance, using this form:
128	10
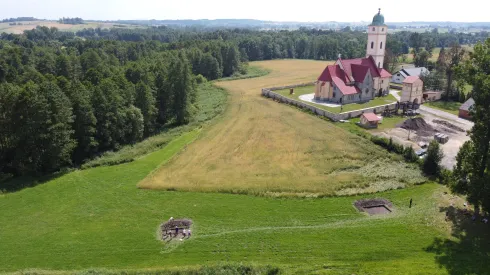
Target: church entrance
380	92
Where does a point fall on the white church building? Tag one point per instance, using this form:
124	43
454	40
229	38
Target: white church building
361	79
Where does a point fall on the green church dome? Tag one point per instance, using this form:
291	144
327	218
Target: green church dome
378	19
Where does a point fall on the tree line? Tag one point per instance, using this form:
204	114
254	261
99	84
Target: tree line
72	21
63	102
19	19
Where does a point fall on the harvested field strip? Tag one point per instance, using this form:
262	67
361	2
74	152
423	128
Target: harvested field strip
260	146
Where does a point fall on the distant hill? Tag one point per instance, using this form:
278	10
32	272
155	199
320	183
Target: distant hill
262	24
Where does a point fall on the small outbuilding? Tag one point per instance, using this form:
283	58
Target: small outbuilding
412	90
464	110
431	95
369	120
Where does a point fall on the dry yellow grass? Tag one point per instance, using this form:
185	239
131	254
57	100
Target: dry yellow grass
260	146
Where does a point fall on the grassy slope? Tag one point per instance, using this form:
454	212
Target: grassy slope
348	107
96	218
260	146
210	103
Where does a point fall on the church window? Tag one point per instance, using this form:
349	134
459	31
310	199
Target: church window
379	64
381	45
372	45
367	90
333	94
383	29
374	29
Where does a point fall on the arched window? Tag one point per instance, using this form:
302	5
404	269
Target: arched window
372	45
379	64
374	29
383	29
381	45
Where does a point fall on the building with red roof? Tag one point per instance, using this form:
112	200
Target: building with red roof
369	120
360	79
412	91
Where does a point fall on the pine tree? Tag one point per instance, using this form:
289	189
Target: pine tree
43	120
146	102
107	104
432	162
163	97
210	67
84	123
182	88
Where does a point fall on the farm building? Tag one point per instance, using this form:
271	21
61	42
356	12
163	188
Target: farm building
464	110
402	74
361	79
431	95
369	120
412	90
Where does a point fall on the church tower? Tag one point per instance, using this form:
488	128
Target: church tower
376	44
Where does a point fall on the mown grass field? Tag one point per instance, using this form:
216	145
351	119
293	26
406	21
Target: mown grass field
299	91
95	221
266	148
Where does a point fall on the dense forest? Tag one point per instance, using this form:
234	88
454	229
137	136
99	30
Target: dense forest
67	97
66	101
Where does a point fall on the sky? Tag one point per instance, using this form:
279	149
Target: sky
273	10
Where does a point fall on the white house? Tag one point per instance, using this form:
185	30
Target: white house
400	76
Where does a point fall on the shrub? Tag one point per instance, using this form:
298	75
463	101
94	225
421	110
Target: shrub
409	155
432	163
200	79
446	177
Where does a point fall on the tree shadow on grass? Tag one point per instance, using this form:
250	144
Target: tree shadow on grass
468	252
19	183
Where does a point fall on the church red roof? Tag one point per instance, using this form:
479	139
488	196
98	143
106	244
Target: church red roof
335	74
344	72
368	62
359	72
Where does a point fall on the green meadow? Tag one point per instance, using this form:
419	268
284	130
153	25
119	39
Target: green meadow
97	221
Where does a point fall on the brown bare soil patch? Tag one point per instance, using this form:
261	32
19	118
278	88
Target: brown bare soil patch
374	206
448	125
418	125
